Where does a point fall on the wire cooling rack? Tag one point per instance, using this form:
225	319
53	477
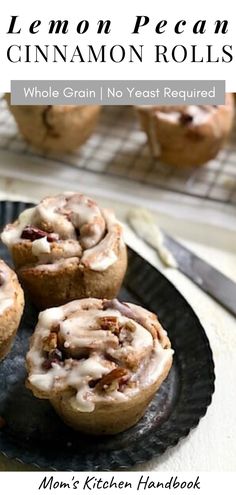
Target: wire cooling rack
118	148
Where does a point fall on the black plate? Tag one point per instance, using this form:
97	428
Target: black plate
35	435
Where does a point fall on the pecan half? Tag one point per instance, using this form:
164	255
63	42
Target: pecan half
111	381
50	342
33	233
109	323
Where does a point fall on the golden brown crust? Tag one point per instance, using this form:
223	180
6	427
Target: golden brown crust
110	418
182	144
22	254
48	288
11	316
56	128
81	254
135	365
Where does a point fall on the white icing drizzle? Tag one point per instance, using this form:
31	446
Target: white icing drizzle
93	350
201	115
172	113
41	246
85	231
172	117
70	211
103	255
50	316
12	232
7	290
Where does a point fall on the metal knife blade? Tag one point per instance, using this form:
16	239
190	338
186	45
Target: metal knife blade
173	253
208	278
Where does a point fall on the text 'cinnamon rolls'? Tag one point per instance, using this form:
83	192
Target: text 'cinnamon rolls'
67	248
99	362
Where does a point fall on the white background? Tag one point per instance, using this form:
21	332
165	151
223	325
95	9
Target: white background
219	448
123	16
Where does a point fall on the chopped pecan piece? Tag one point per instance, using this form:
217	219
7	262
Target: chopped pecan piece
109	323
33	233
111	381
50	342
130	325
132	362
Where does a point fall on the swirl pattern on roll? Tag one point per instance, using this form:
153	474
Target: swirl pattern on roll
93	351
66	226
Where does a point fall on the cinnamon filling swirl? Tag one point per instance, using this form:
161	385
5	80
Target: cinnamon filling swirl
67	226
96	350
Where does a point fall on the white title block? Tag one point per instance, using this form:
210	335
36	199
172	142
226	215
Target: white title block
91	40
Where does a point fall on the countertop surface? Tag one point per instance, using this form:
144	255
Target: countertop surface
212	445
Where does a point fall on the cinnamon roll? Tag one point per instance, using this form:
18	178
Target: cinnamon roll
55	128
187	135
67	248
99	362
11	307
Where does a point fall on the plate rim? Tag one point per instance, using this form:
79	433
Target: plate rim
131	459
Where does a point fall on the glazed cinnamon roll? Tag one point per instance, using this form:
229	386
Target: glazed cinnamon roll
67	248
187	135
99	362
11	307
55	128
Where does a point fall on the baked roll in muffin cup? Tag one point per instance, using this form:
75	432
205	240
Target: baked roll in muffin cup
187	135
55	128
99	362
11	307
67	248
